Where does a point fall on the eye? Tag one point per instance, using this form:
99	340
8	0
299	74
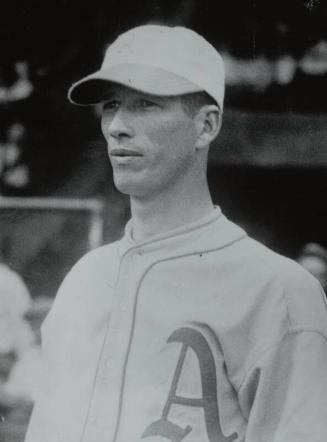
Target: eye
144	103
110	105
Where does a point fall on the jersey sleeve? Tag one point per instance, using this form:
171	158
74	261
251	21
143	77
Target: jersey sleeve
284	394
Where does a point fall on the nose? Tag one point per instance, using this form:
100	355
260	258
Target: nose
118	125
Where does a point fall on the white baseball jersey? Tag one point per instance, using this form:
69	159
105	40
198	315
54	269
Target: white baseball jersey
197	335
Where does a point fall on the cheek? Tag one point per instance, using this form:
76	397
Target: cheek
174	140
103	128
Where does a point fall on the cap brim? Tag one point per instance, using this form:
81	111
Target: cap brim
93	89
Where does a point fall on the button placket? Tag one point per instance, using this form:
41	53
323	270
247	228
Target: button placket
110	377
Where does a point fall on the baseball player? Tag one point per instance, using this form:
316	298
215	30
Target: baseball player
186	329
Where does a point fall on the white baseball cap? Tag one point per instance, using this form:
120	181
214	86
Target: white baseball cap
158	60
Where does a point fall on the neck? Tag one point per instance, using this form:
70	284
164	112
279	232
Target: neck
171	210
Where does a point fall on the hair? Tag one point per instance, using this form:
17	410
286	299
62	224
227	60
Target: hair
193	102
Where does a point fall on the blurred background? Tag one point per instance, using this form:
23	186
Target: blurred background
267	170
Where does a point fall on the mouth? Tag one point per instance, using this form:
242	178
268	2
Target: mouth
123	152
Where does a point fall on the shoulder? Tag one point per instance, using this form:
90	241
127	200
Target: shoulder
87	287
302	294
95	267
274	298
95	263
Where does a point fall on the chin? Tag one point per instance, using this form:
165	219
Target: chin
133	188
128	187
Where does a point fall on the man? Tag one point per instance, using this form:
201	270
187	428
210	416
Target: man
185	329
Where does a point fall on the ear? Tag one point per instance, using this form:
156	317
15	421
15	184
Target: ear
208	123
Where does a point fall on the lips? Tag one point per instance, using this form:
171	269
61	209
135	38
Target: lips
123	152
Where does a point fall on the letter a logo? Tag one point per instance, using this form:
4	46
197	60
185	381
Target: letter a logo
193	339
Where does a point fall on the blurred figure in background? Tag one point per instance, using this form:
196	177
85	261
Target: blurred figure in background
23	379
15	332
313	257
19	346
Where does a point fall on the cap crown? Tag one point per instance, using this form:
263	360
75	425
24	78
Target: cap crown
177	50
158	60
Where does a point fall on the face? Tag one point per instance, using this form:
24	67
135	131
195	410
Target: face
317	267
150	141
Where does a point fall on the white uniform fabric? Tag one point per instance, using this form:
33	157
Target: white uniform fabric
200	334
